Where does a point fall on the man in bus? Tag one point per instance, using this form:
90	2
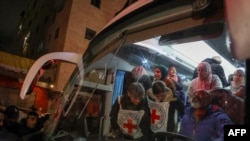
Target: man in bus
203	121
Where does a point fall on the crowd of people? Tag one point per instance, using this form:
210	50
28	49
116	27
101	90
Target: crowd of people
159	103
151	104
29	128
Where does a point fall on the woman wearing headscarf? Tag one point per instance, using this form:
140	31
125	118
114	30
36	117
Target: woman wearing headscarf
237	86
160	73
205	80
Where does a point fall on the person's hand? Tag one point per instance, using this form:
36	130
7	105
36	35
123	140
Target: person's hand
240	92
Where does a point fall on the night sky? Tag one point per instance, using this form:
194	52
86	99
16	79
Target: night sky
10	11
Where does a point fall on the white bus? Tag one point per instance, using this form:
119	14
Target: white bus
147	33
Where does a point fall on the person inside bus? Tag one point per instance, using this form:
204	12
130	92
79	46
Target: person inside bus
140	74
160	73
130	115
203	121
5	135
237	86
11	119
205	80
217	69
172	74
167	108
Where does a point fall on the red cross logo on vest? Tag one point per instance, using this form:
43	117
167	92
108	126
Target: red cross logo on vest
154	116
130	126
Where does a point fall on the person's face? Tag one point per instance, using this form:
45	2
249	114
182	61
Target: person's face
238	77
160	97
199	100
172	71
31	121
11	121
133	99
157	74
202	71
1	120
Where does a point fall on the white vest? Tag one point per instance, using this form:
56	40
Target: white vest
159	115
129	120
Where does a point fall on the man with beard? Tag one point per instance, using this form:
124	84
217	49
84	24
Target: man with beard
203	121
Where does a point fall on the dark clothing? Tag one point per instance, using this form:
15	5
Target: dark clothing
5	135
180	93
25	130
13	127
179	107
210	128
178	84
36	136
128	105
216	69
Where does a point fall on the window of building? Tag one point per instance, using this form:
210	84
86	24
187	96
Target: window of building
96	3
57	33
89	34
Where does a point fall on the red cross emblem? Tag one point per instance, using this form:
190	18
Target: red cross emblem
154	116
130	126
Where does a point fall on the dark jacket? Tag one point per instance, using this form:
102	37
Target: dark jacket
180	93
210	128
178	106
13	127
216	69
127	105
5	135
